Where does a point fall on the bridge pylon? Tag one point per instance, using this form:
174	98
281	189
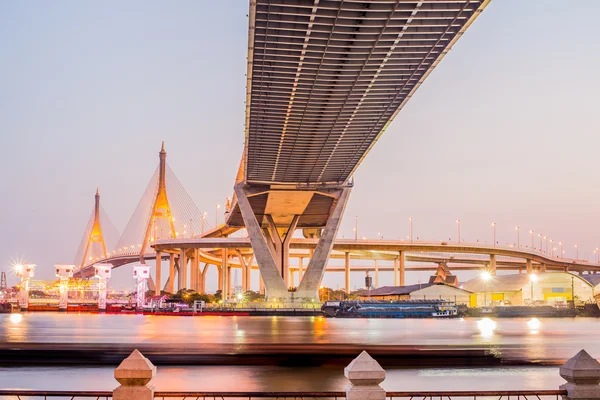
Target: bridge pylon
95	235
161	209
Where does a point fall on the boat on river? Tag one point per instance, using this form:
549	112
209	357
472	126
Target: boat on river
390	309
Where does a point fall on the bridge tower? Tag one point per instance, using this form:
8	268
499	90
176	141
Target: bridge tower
161	209
95	235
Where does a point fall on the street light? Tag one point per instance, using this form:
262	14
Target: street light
410	228
546	239
518	237
380	235
458	227
541	245
577	250
494	225
203	221
561	250
217	215
532	245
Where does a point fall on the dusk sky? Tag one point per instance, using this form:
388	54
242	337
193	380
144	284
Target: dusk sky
504	130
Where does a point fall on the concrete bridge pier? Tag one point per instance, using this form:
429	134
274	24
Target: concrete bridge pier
347	272
225	274
376	274
202	284
182	281
402	262
195	265
492	267
529	262
171	286
157	274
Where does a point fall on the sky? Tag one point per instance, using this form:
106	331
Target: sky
504	130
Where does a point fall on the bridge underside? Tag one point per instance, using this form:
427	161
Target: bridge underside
325	78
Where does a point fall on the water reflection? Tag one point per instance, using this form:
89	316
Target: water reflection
486	327
557	339
534	325
15	318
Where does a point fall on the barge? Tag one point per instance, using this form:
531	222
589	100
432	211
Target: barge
390	309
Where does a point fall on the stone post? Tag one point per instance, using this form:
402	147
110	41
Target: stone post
365	374
134	374
582	374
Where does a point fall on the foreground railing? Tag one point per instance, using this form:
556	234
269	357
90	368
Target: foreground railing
135	373
466	395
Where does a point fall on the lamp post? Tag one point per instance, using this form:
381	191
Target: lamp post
551	248
410	228
356	228
561	250
458	228
532	245
518	237
217	215
494	225
577	252
546	239
203	221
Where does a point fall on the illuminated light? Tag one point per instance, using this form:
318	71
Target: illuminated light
15	318
18	268
533	277
534	325
486	327
486	276
239	296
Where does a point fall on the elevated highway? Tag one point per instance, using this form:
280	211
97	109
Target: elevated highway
325	78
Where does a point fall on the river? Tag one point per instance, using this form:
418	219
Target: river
530	340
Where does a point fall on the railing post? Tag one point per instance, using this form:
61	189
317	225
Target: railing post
582	374
365	374
134	374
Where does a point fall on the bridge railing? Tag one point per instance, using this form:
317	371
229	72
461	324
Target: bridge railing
135	374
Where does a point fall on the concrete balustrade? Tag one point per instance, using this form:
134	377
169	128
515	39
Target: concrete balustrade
134	374
582	373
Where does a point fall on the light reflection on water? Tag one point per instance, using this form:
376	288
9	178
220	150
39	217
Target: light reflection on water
521	338
261	378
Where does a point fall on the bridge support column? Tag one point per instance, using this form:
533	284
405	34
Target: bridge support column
492	267
396	272
202	288
182	270
376	274
225	274
300	269
309	286
347	272
246	265
542	267
529	264
171	286
267	261
157	274
402	262
195	264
